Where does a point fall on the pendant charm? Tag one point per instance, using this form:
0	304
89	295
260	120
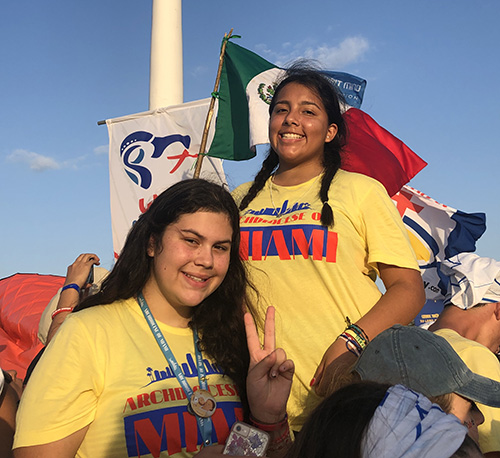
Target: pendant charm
202	403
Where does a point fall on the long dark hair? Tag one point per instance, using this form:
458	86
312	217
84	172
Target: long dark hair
337	426
219	318
304	74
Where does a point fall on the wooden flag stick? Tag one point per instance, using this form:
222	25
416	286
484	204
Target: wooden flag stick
211	108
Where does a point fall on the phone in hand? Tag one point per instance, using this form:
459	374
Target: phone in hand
90	278
246	440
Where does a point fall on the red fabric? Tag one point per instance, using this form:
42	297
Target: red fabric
374	151
23	298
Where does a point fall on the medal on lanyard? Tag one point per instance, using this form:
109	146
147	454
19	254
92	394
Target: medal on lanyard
200	403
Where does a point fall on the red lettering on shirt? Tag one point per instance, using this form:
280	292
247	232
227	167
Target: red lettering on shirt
146	431
230	390
303	244
245	237
169	395
130	402
219	390
288	242
332	242
143	400
156	397
279	241
257	246
191	429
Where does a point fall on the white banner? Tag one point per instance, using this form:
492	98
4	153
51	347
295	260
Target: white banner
150	151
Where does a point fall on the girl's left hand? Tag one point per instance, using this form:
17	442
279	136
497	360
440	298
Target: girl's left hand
270	373
336	362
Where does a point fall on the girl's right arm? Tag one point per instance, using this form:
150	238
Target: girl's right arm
63	448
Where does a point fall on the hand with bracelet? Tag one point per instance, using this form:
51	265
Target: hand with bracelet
78	272
76	281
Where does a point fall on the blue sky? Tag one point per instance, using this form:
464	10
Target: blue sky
432	70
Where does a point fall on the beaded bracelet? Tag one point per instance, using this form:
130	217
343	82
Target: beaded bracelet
284	440
356	337
58	311
269	427
71	285
357	331
351	344
279	443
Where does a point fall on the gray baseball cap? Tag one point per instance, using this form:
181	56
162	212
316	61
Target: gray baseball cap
424	362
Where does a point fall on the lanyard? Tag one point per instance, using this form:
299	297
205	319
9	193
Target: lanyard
204	424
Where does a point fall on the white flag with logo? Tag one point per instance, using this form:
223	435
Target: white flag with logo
150	151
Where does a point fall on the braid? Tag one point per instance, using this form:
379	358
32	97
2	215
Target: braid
331	162
268	166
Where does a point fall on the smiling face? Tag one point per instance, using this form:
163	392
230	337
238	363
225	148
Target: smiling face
299	128
189	264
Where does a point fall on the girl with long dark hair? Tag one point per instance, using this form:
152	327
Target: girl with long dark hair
133	371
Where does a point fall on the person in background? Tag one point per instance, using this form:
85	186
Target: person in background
10	393
316	237
426	363
76	287
82	279
470	322
373	420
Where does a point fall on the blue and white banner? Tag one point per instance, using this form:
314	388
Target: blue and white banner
436	233
150	151
351	86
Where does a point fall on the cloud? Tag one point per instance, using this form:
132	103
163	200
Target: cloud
350	50
35	161
101	150
199	71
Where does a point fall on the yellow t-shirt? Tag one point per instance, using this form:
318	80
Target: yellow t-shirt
482	361
105	369
316	276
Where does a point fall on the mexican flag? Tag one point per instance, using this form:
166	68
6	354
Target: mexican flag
246	88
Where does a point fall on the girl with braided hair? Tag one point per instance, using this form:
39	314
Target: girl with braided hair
315	238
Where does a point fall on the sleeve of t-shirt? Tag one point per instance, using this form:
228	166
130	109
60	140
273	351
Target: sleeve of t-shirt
62	393
386	235
240	192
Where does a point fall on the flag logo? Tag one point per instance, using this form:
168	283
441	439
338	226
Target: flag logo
266	92
137	147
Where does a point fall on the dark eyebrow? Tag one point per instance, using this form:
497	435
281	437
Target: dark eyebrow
197	234
305	102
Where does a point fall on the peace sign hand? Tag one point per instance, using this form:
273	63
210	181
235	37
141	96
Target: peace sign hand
270	373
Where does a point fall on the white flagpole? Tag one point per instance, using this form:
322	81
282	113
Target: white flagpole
166	76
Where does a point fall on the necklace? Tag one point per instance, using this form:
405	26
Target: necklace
200	403
279	213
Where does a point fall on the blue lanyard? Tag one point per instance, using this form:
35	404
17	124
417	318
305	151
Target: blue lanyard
205	424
